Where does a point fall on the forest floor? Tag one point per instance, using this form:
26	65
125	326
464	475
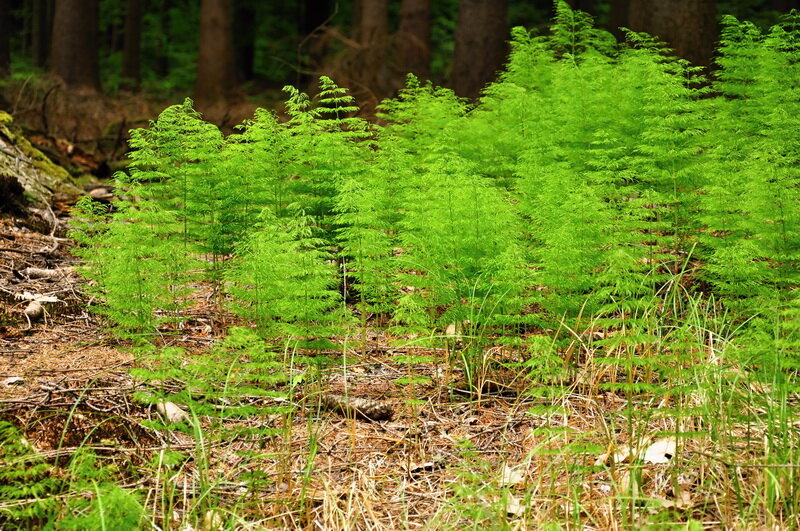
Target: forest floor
445	459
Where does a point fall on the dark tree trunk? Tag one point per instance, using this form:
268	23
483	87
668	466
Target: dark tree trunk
618	17
41	30
216	80
481	36
355	24
688	26
586	6
369	67
6	27
314	14
784	6
373	22
132	48
244	20
162	65
74	43
414	38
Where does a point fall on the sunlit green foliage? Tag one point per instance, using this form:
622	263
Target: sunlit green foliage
460	248
283	281
195	197
36	494
603	221
752	198
26	481
234	372
582	182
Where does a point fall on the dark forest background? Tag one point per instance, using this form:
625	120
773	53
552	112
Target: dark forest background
57	57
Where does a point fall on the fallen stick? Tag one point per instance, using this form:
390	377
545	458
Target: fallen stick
363	408
49	274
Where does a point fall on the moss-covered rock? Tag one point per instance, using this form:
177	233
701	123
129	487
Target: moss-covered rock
35	173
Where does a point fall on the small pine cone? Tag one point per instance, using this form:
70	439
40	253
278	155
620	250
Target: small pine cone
362	408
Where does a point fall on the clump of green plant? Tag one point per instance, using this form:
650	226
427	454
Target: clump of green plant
194	197
752	195
223	382
28	485
37	494
601	203
283	281
140	286
99	503
622	230
576	187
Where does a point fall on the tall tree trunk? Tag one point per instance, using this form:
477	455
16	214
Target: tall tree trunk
784	6
216	80
481	35
74	43
688	26
244	47
373	24
414	38
369	68
162	66
6	27
132	48
41	30
618	17
586	6
311	16
355	32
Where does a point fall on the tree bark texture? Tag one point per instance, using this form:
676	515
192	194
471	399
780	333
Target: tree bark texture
74	43
369	66
618	17
587	6
244	48
6	27
413	47
688	26
314	14
784	6
355	24
373	24
481	35
132	47
215	62
41	30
